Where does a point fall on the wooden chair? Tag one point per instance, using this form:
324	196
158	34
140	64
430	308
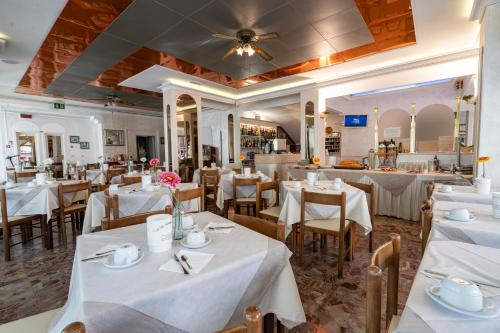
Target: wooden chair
368	189
114	172
23	174
210	179
268	213
129	180
237	170
253	322
190	194
102	187
429	188
265	227
426	216
334	227
113	223
9	222
247	202
386	256
111	205
74	209
92	166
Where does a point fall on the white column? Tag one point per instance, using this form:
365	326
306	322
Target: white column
489	85
199	122
312	95
170	103
237	133
375	132
413	125
3	142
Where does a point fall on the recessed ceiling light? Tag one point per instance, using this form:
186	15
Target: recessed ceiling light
10	61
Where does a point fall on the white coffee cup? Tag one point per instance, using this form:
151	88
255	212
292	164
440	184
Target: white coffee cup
247	172
159	232
113	188
213	165
125	254
196	237
9	185
145	180
336	186
40	178
446	188
461	293
338	180
187	222
460	214
105	166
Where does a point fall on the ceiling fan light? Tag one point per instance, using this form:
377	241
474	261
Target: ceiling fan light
239	50
251	51
247	47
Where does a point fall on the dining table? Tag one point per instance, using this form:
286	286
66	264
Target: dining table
290	196
460	193
133	199
484	229
478	263
246	269
225	189
196	174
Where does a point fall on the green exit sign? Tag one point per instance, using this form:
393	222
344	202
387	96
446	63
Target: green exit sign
58	105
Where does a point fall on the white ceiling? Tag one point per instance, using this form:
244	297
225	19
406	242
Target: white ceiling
24	24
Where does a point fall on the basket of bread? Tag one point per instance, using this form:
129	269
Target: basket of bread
349	164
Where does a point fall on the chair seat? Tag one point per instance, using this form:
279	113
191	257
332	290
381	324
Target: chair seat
246	200
271	212
33	324
75	208
329	225
14	220
394	324
211	196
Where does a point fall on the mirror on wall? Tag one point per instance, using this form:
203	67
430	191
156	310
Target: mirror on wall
309	115
54	147
394	124
187	136
435	125
230	137
26	148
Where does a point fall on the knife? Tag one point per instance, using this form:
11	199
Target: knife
180	263
96	257
442	276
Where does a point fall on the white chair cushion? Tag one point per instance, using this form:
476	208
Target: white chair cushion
211	196
331	225
246	200
34	324
394	324
272	211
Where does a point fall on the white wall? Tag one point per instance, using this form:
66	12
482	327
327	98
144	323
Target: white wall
214	123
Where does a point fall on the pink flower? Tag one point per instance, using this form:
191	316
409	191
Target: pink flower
169	178
154	162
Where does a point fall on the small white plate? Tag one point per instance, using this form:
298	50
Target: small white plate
490	310
443	191
208	240
109	262
471	218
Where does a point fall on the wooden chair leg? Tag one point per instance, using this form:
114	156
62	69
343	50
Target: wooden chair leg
301	246
269	322
73	225
322	242
50	235
280	328
294	238
352	242
62	228
370	241
314	242
24	233
6	242
341	255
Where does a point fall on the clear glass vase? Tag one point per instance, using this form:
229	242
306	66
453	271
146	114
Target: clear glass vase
177	217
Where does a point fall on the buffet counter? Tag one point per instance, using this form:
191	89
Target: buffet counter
269	163
399	193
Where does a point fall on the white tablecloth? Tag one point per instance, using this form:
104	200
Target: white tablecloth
247	269
461	194
196	174
225	190
485	230
96	176
133	200
42	199
422	314
399	194
356	208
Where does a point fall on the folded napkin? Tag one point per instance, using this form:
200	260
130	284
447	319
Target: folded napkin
105	251
197	260
222	225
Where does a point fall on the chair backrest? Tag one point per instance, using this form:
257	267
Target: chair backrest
209	174
74	327
102	187
269	186
190	194
270	229
240	181
82	175
108	223
368	189
386	256
324	199
237	169
115	172
253	322
23	174
426	216
111	205
92	166
72	188
129	180
429	188
3	205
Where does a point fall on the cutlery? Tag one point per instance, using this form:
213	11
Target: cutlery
96	257
183	268
218	228
105	252
183	258
440	276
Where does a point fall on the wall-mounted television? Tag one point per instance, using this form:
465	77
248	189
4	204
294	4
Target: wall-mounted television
355	120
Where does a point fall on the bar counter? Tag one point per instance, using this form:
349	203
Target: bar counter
269	163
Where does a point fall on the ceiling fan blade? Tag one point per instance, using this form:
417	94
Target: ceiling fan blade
228	53
263	54
222	36
271	35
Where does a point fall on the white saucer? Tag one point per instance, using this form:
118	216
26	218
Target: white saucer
490	310
471	218
109	262
450	191
189	228
208	240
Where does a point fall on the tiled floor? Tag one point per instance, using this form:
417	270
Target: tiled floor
37	280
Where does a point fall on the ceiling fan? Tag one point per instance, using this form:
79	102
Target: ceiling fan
246	42
110	100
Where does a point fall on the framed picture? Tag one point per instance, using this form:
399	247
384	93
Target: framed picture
84	145
162	140
74	139
114	137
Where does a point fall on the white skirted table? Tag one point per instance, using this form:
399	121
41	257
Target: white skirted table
133	200
399	193
196	174
225	190
247	269
484	230
479	263
461	194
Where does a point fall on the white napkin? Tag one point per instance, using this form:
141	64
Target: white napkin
101	250
197	260
219	224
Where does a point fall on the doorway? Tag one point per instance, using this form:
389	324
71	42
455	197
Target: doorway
145	147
